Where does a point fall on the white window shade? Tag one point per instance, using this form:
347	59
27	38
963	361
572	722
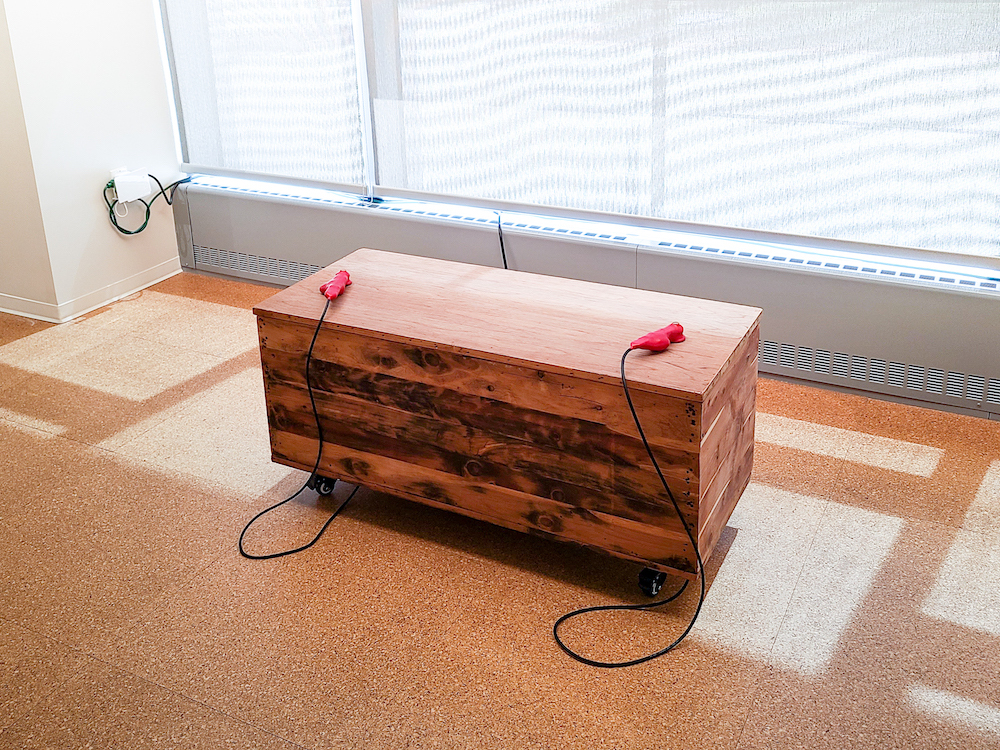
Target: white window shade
267	87
536	102
870	122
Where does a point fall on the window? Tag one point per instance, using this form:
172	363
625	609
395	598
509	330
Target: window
267	87
872	122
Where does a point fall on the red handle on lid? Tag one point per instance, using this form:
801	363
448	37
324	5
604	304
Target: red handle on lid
336	286
659	340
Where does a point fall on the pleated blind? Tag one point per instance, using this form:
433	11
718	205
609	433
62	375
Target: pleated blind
268	87
876	122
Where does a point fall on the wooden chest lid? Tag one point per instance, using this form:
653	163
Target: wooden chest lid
553	324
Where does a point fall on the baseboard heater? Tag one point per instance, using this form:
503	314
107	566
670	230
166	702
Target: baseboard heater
906	330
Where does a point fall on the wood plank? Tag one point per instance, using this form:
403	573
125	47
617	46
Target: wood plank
479	311
738	479
664	547
721	440
588	480
490	418
477	427
668	422
742	361
741	443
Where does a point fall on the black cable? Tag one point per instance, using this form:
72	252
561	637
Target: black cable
319	457
605	607
503	251
172	187
114	217
148	205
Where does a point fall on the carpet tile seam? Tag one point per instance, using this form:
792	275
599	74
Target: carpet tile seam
53	686
166	689
798	579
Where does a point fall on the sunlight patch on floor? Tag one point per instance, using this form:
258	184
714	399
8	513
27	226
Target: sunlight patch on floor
967	590
858	447
35	424
950	707
795	575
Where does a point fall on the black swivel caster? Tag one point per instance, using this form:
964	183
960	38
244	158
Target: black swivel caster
651	581
322	485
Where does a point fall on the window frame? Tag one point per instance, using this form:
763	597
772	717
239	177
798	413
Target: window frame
371	189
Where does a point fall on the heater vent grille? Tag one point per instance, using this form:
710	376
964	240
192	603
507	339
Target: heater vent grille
787	355
823	361
841	365
858	367
896	375
805	361
790	257
768	352
915	378
974	386
935	381
993	392
876	371
285	270
956	385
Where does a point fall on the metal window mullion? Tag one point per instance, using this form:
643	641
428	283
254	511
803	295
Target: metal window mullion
364	99
167	46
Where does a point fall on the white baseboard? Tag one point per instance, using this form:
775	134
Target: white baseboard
28	308
66	311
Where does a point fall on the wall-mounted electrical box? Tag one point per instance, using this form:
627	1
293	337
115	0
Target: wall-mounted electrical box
130	186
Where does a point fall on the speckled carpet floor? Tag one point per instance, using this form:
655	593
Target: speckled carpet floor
854	599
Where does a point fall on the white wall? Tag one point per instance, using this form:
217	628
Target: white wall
94	97
25	275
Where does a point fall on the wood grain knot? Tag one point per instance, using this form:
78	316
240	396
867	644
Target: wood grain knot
433	491
545	522
355	467
425	359
278	416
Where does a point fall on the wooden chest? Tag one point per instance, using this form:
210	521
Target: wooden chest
497	394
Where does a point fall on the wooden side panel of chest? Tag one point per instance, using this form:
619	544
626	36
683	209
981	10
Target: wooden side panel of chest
544	453
497	394
726	456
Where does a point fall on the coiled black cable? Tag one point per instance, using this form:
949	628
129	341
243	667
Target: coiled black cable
148	205
606	607
312	475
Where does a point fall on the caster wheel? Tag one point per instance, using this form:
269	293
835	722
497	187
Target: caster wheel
322	485
651	581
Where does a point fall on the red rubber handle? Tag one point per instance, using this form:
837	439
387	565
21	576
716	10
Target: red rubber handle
659	340
336	286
